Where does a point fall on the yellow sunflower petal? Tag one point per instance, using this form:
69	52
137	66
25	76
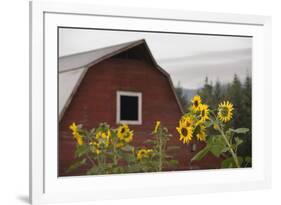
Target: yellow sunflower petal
156	127
196	101
225	111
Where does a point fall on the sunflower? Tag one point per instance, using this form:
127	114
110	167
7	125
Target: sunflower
103	134
201	135
204	112
103	137
119	145
196	101
225	111
95	147
185	132
186	120
74	128
156	128
215	126
144	153
124	133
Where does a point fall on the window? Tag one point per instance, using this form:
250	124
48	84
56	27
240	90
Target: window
129	105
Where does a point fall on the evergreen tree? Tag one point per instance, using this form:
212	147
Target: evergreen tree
206	93
234	95
181	96
217	93
246	148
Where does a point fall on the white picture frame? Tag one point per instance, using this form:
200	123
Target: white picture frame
46	187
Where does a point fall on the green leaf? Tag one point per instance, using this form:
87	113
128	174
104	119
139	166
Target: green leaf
173	162
130	158
217	145
212	139
202	153
82	150
168	156
92	131
172	148
229	135
230	163
94	170
238	141
248	159
170	163
208	124
217	149
240	130
226	149
149	141
76	165
127	148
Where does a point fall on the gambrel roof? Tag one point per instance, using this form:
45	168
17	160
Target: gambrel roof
72	69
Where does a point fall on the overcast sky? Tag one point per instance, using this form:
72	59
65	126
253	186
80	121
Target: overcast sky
188	58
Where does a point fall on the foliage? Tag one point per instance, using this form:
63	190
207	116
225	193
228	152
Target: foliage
108	150
159	142
240	94
225	142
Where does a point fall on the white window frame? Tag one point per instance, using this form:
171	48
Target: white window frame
118	104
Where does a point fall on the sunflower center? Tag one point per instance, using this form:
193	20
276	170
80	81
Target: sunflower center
224	111
184	131
196	103
203	113
122	130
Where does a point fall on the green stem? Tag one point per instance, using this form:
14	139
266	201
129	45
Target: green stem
227	143
90	159
114	155
213	113
99	162
104	160
160	150
230	148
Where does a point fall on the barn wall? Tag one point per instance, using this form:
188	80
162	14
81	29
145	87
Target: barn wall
95	102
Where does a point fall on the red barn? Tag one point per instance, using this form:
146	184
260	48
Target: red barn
119	84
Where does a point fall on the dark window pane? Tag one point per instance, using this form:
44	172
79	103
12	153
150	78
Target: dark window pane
129	107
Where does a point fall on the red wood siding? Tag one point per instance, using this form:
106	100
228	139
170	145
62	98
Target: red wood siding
95	102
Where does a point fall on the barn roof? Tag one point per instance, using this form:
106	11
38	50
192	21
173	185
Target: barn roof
72	69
